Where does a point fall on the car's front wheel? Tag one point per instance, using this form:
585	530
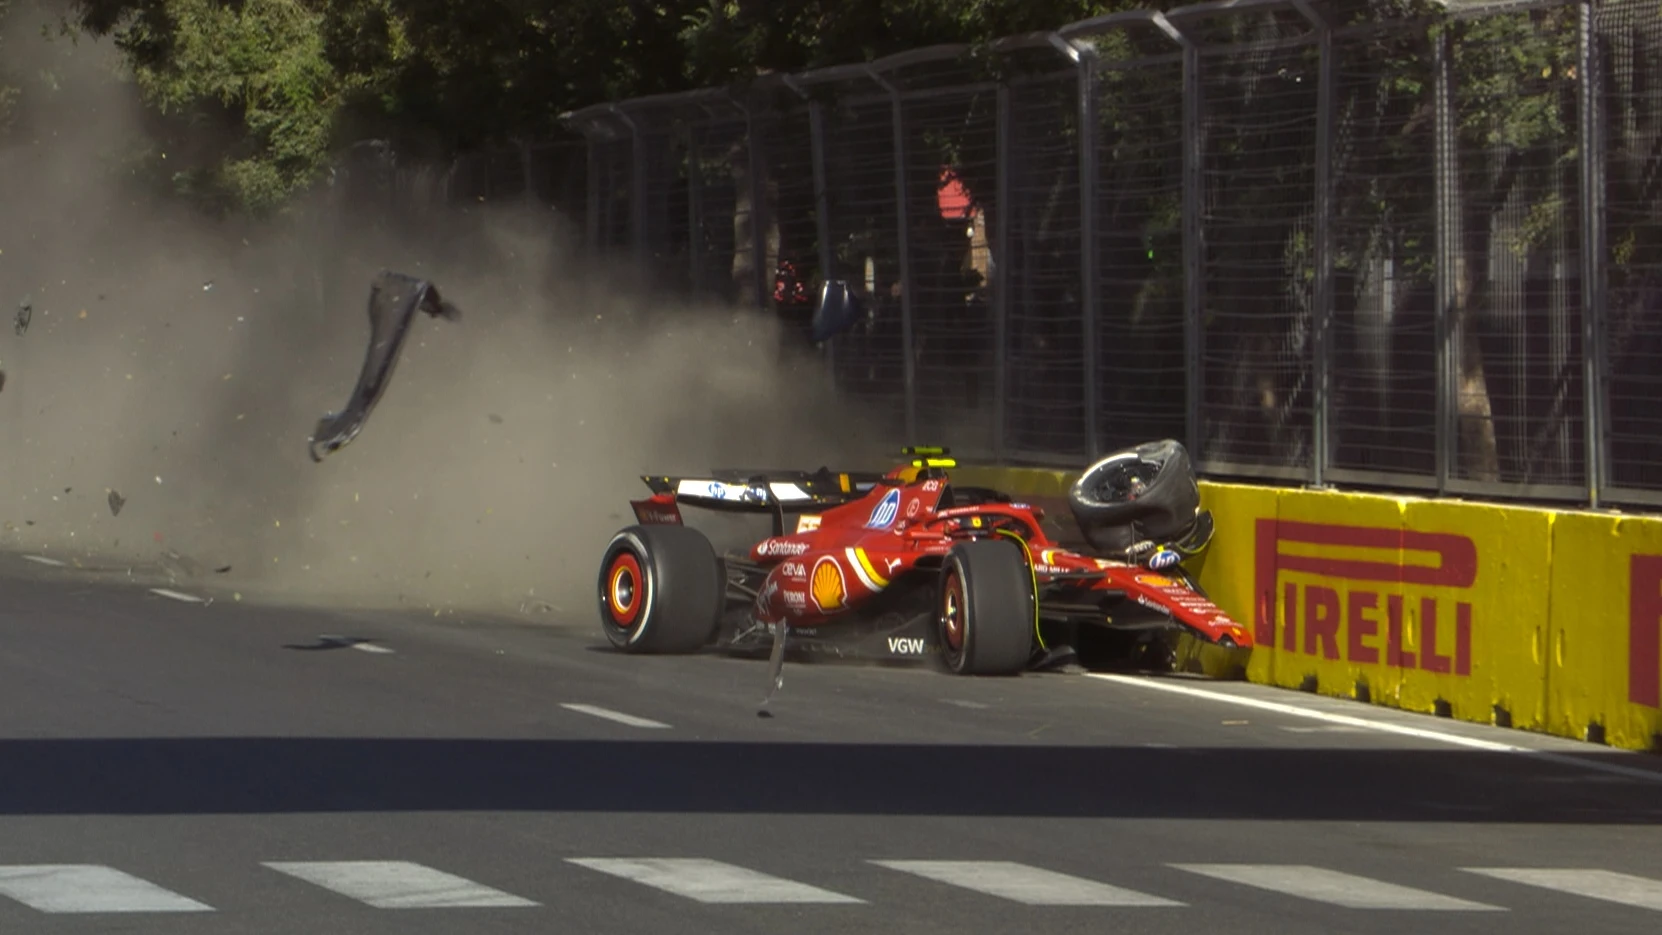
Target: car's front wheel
985	619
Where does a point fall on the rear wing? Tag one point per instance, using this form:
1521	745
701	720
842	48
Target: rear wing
758	492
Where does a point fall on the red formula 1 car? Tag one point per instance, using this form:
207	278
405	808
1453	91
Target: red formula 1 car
908	564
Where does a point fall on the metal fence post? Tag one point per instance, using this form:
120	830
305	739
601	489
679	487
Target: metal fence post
695	213
637	184
1084	59
1445	154
1594	345
1001	269
592	222
1194	245
822	203
758	206
1321	416
902	212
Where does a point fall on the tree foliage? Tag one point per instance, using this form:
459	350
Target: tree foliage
283	82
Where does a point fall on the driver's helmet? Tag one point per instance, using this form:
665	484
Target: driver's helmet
1134	487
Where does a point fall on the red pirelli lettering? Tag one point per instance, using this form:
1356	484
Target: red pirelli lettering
1644	631
1361	611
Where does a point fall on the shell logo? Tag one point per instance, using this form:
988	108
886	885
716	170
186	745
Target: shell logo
827	586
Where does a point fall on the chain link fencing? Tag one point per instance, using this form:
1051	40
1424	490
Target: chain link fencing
1378	243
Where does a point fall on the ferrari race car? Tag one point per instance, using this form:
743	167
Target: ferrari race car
908	564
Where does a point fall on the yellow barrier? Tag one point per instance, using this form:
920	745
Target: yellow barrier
1525	617
1605	662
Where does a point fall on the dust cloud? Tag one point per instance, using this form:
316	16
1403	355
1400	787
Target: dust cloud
182	362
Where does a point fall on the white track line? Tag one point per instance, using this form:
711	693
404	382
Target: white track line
1643	775
397	884
611	715
43	560
1023	884
64	888
1335	888
711	881
1595	884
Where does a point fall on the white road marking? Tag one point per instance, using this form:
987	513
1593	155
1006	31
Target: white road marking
711	881
177	595
1643	775
1024	884
1331	886
611	715
41	559
61	888
972	705
1612	887
397	884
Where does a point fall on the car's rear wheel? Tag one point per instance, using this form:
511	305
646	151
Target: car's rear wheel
984	622
662	590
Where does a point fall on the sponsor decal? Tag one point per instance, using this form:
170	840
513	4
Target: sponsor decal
776	547
883	515
865	570
795	600
656	513
1156	581
913	506
1644	635
930	486
1340	616
794	570
906	645
1164	558
827	586
806	523
1153	604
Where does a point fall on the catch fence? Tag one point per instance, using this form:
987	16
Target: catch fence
1377	244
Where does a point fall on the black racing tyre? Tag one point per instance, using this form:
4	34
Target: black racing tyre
1164	511
662	590
984	621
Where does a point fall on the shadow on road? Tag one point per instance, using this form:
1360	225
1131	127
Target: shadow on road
189	776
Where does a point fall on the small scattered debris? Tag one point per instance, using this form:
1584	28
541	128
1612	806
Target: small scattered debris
44	560
180	596
117	501
495	418
180	566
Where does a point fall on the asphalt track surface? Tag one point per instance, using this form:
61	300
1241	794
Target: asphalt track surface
168	767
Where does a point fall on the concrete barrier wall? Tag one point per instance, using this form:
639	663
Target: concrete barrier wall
1540	619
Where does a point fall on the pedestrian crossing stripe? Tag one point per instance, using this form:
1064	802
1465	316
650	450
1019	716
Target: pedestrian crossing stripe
89	888
395	884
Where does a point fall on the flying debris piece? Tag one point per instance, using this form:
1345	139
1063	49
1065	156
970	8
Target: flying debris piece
117	501
394	299
776	669
25	314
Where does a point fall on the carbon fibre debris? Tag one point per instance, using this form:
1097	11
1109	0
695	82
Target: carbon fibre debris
394	298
